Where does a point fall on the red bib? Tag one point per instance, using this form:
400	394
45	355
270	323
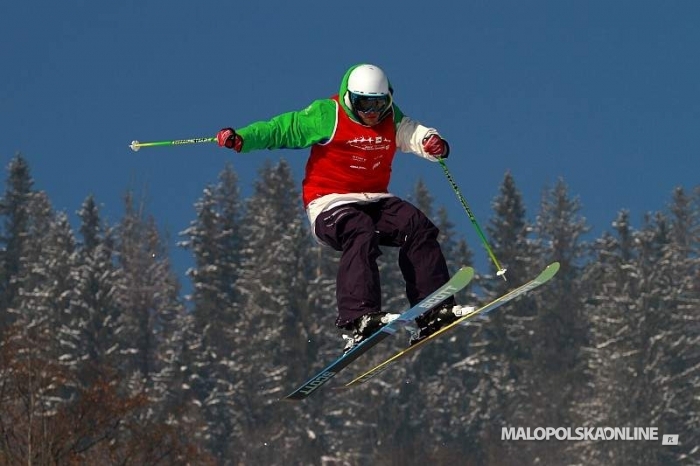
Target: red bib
357	159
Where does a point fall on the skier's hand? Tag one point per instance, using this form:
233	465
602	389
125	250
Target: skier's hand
227	137
436	146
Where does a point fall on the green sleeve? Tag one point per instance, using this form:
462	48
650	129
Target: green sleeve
292	130
398	115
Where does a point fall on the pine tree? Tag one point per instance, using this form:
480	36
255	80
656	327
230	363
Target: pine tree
91	336
274	319
213	337
14	206
645	345
45	281
214	239
560	326
152	312
501	350
675	325
57	406
34	378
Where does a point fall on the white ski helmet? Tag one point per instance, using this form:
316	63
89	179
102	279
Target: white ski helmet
368	80
368	90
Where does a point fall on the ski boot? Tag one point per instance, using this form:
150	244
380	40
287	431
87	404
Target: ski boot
435	319
364	326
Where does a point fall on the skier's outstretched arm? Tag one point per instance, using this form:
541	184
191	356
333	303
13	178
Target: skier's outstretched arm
291	130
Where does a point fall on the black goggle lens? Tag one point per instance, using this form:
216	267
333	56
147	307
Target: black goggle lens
370	104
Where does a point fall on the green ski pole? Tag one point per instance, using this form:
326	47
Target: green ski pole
135	145
500	270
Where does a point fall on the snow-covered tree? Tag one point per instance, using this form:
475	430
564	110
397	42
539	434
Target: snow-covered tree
213	338
91	334
501	350
274	320
557	373
152	313
14	206
644	358
32	375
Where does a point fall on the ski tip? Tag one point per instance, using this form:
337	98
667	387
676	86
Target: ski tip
465	274
550	271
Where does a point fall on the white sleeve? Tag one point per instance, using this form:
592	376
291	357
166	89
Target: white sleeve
410	135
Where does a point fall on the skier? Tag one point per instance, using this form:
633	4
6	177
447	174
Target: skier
353	138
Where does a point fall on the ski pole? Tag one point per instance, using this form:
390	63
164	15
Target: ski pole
135	145
501	271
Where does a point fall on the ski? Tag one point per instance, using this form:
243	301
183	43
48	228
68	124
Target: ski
458	282
546	275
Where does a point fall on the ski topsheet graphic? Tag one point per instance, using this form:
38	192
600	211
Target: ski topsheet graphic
458	282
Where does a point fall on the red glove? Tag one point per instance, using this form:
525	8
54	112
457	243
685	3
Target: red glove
436	146
227	137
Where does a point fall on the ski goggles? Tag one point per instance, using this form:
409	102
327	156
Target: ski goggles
369	104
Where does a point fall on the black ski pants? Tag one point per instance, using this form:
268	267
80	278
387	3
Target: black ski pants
358	229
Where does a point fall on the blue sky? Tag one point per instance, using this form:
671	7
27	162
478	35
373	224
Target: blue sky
604	94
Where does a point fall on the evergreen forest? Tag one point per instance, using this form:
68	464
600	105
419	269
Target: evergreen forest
104	360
